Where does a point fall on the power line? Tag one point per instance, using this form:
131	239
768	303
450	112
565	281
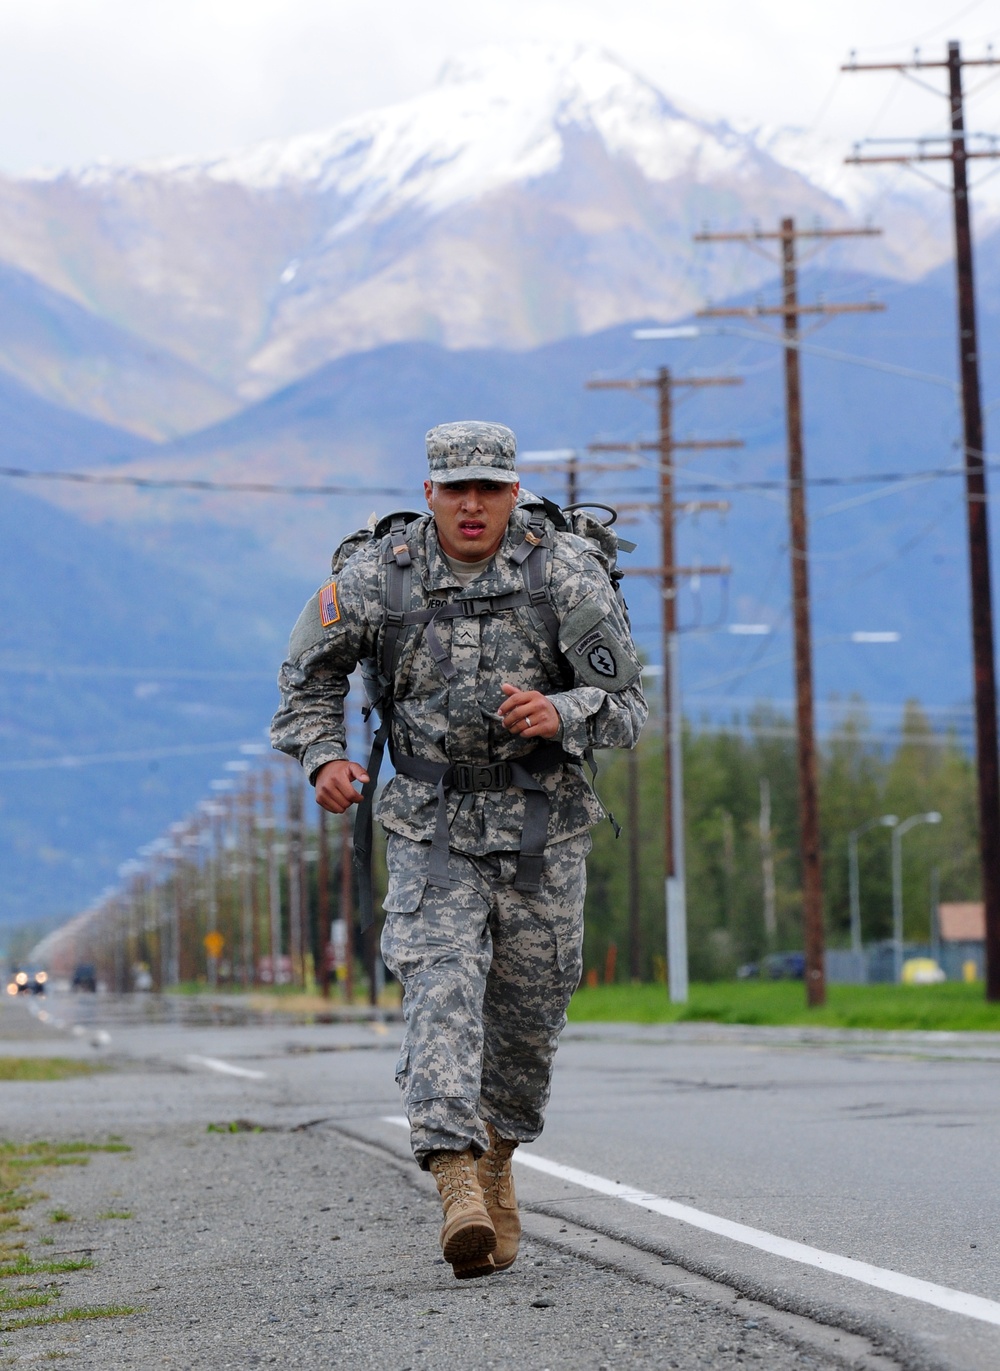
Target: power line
790	312
953	147
140	673
668	574
196	483
717	483
148	754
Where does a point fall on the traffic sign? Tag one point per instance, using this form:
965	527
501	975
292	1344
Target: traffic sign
214	943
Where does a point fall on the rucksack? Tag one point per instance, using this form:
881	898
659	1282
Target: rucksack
379	674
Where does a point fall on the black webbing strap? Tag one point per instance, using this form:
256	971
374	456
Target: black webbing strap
398	580
363	823
534	536
399	575
535	830
535	573
532	556
472	606
473	777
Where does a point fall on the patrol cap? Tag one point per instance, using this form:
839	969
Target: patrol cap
471	450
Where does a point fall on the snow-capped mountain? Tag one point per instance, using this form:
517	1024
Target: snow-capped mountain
533	193
498	117
501	116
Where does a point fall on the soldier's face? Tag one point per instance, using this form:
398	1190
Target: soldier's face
471	516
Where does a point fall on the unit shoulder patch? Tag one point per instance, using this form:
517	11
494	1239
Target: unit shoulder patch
597	648
329	609
603	661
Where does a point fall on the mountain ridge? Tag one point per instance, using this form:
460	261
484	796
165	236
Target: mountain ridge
132	617
536	193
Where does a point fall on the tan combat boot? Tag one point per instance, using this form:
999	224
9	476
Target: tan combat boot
467	1235
498	1192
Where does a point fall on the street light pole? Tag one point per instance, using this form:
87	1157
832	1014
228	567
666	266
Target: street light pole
897	885
854	879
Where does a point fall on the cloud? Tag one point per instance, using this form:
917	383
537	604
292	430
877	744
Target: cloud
81	79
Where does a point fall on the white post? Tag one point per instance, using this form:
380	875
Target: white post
897	884
855	883
897	901
676	896
767	862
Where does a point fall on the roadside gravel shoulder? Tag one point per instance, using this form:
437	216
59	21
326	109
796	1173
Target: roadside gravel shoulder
304	1249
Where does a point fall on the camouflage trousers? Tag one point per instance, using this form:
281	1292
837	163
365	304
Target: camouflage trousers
487	972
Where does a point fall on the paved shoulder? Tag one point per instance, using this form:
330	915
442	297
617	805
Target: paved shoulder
307	1249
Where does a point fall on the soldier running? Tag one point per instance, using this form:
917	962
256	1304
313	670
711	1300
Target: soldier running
501	683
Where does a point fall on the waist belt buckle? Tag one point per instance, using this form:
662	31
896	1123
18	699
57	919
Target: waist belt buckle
473	779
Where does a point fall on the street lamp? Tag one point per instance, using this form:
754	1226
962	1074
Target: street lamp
897	885
884	821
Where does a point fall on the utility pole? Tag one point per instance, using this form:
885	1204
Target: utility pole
293	840
347	906
570	465
955	150
269	824
376	967
668	573
211	809
790	311
247	803
767	863
322	906
634	862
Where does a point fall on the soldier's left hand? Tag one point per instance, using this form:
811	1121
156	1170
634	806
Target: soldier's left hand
529	713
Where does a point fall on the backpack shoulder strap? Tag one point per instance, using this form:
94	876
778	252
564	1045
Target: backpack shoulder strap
398	582
534	556
399	574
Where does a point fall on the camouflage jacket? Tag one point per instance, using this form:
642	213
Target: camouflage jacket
439	721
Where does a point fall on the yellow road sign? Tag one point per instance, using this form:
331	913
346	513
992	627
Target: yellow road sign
214	943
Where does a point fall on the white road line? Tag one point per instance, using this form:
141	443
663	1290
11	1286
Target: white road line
941	1296
227	1068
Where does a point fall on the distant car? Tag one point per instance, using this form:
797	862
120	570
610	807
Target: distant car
85	978
785	966
778	966
27	981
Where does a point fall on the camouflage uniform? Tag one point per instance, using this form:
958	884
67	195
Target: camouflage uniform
487	969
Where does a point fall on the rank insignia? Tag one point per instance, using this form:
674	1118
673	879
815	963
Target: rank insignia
329	610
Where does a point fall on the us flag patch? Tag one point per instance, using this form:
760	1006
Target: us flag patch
329	610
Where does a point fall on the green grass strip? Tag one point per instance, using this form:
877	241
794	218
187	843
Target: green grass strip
25	1299
101	1311
46	1068
951	1007
27	1266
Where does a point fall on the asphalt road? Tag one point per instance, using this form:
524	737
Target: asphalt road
877	1154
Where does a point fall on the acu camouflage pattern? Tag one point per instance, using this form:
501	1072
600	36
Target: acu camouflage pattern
459	722
487	970
471	450
488	973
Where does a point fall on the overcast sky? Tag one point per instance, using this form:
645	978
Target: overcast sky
126	79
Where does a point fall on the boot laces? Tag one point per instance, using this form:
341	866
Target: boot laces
496	1163
457	1182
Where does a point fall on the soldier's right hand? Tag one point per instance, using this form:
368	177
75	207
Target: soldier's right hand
335	785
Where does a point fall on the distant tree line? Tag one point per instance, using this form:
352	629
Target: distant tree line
246	864
861	778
